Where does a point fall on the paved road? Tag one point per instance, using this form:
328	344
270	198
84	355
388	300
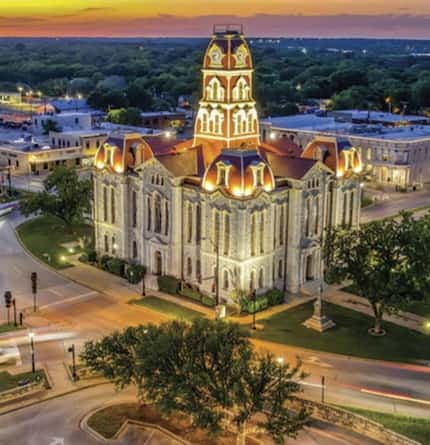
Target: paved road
56	422
395	203
369	384
16	267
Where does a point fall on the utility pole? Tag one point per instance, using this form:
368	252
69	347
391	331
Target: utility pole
33	359
254	300
34	289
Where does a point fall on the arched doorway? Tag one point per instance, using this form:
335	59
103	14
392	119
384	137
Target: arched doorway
158	263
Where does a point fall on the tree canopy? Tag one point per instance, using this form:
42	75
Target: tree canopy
207	370
387	262
65	196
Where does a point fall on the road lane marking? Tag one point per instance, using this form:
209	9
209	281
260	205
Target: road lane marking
68	300
394	396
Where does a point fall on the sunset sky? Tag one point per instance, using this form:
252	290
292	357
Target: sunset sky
343	18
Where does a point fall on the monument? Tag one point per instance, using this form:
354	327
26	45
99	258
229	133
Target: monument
319	322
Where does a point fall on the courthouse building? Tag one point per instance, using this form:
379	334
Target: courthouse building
257	209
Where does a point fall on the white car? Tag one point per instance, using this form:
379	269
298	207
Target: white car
8	355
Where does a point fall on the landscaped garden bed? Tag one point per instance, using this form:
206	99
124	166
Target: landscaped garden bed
108	421
349	336
10	381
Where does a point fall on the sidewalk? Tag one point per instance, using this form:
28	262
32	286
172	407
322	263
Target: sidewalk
333	294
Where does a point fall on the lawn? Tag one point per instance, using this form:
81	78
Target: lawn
9	381
168	308
8	328
421	308
416	428
44	235
108	421
349	337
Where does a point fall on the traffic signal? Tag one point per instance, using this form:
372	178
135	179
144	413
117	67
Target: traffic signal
34	282
8	298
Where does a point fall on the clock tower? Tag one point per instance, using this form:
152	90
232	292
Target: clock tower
227	117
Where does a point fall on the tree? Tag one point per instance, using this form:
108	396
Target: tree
50	125
139	94
207	370
65	196
386	260
125	116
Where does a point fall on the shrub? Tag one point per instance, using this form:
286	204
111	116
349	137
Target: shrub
104	261
84	258
197	296
275	296
168	284
116	266
134	273
247	305
92	256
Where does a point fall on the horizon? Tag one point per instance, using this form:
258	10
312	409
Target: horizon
165	18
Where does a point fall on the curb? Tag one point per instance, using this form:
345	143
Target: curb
55	396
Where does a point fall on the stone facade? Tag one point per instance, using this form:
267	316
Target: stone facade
254	210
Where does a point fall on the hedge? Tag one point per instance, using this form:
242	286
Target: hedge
134	273
116	266
275	296
168	284
247	305
197	296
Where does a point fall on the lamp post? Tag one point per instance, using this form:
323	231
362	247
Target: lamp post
72	351
14	313
33	361
8	303
34	289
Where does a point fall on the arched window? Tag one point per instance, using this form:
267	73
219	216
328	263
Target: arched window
252	281
204	122
225	283
134	209
190	222
157	214
262	232
253	234
261	278
216	230
189	267
250	122
199	271
105	204
280	269
226	233
114	246
308	217
198	223
241	90
317	215
281	226
166	217
134	249
148	213
112	205
106	243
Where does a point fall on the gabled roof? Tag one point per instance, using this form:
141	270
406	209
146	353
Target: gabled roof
183	163
289	167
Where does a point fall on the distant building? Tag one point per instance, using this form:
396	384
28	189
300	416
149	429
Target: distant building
163	120
395	149
10	98
68	120
30	155
223	210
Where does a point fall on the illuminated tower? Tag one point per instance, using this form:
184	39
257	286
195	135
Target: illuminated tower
227	117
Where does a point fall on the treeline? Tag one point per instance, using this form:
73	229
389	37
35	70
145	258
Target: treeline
150	75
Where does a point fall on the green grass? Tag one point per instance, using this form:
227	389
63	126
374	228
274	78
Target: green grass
349	337
9	381
9	328
168	308
421	308
44	235
413	427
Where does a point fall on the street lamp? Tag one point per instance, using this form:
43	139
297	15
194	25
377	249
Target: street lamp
33	362
254	300
71	349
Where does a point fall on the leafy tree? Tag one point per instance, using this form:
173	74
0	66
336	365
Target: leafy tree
50	125
106	99
125	116
207	370
139	95
65	196
421	92
387	261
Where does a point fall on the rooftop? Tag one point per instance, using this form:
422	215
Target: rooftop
331	125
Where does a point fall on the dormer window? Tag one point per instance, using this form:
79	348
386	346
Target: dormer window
222	173
258	172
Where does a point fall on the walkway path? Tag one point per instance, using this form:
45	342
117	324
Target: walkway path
335	295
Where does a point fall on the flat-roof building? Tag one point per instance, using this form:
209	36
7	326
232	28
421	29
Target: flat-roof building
395	149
